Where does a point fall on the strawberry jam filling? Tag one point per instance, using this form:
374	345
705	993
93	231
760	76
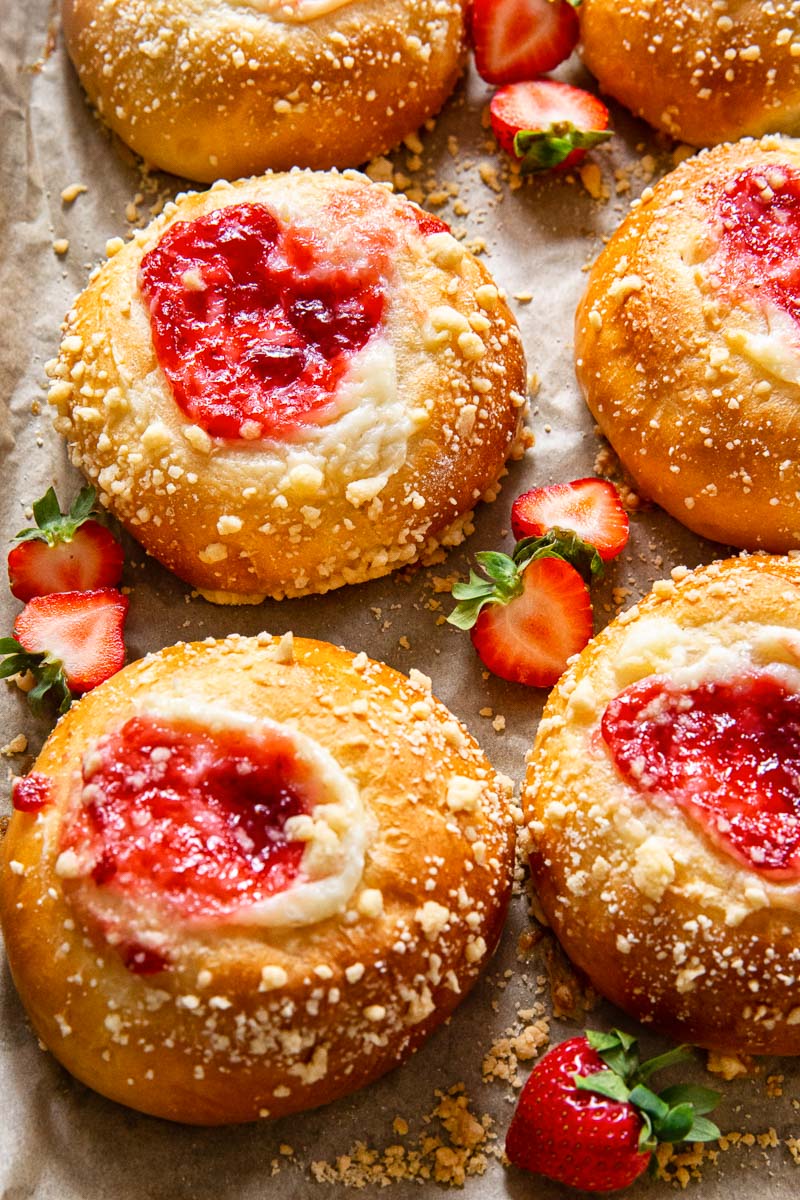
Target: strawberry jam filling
759	215
727	753
254	322
190	818
31	793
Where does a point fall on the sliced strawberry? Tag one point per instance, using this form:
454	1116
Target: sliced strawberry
590	507
64	552
70	641
529	639
547	124
520	39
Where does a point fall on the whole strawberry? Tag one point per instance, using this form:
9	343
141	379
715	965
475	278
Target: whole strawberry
587	1119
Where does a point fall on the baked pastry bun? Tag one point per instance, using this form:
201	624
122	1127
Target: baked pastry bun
291	383
704	73
664	811
247	877
688	344
207	89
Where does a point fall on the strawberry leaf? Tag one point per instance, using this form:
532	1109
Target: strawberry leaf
503	583
51	682
618	1050
575	3
675	1125
661	1061
702	1100
543	149
561	543
603	1083
51	685
703	1131
53	526
46	510
499	567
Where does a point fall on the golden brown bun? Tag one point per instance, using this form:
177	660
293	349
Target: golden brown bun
289	517
696	386
215	90
346	998
674	930
704	73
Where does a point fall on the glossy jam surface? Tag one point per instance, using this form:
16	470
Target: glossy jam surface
193	818
759	215
728	753
254	322
427	223
30	793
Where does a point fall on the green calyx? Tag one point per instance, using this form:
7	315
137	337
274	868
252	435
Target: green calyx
53	526
543	149
675	1114
48	671
502	580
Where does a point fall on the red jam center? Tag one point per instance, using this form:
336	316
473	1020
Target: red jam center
726	752
254	323
30	793
192	818
759	212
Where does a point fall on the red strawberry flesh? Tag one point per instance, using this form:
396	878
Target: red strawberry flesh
590	507
92	558
727	753
83	630
520	39
541	104
529	639
572	1136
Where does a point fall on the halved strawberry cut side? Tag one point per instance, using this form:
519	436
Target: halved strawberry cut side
530	638
91	559
589	507
80	630
520	39
64	552
547	124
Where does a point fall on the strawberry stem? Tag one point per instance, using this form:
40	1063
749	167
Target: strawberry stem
675	1114
48	671
543	149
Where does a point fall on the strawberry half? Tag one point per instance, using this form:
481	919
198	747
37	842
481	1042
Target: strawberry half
520	39
532	611
547	124
586	1118
69	641
64	552
589	507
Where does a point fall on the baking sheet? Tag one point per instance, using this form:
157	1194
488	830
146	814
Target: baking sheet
437	1119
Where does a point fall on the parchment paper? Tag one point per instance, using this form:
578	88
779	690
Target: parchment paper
58	1140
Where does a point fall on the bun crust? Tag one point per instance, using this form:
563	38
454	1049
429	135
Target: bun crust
699	73
213	90
434	408
687	364
675	930
252	1020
